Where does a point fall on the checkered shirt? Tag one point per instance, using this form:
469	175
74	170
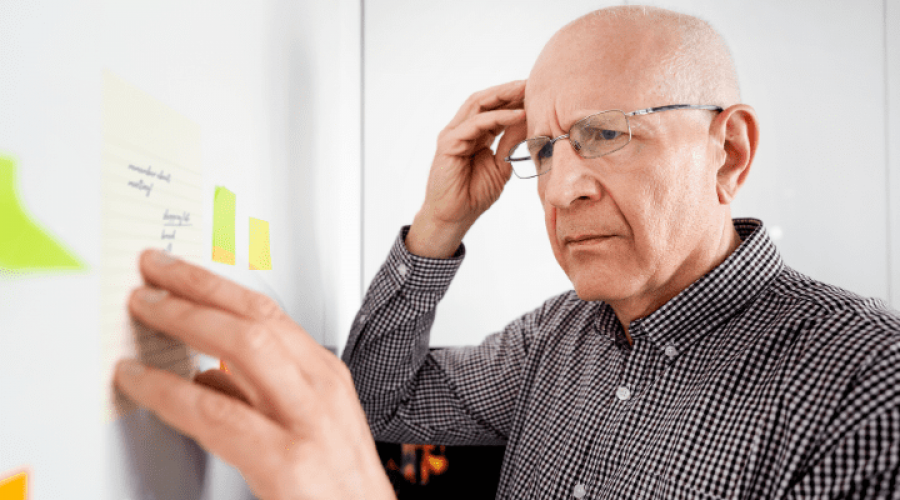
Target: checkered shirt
754	382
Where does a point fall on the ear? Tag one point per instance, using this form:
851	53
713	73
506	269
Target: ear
736	132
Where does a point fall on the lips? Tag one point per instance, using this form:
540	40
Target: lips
585	238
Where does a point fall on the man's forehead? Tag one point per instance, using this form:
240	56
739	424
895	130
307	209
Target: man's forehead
597	66
561	102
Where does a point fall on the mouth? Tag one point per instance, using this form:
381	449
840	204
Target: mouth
586	240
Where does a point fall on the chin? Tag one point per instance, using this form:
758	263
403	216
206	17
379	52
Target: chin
588	295
596	288
606	274
599	279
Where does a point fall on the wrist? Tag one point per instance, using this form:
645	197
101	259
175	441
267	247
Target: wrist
432	239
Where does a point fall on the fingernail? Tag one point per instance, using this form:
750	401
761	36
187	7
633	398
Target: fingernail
163	258
130	368
152	295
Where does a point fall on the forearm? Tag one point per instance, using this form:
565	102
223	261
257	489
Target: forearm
388	343
414	395
385	360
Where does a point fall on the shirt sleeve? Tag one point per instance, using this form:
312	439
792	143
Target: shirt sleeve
861	458
413	395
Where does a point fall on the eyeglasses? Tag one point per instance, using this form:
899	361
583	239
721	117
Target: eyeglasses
592	136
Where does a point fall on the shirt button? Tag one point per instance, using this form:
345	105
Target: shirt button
671	352
580	491
402	269
623	393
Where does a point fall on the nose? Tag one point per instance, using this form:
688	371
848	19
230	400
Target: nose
571	178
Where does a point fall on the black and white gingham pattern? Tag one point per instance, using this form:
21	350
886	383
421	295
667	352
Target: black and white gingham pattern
755	382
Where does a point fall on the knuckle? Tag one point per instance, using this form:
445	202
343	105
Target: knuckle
345	375
473	103
256	338
338	372
217	409
184	313
263	306
200	283
444	146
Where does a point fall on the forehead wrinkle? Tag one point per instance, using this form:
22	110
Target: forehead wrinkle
570	96
592	67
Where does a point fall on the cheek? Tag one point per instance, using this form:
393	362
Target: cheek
655	211
550	225
678	195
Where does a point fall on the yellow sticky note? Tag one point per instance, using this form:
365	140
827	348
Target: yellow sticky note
260	258
223	225
14	487
152	196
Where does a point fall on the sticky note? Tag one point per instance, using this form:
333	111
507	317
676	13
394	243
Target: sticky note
14	487
152	196
223	226
260	258
24	245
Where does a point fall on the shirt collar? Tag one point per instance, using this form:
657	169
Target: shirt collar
714	298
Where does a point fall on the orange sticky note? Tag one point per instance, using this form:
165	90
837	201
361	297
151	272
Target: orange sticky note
14	487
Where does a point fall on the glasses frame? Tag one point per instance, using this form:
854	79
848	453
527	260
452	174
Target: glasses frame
509	159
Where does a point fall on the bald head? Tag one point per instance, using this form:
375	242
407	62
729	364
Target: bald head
676	58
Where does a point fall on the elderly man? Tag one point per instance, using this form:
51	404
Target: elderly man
688	362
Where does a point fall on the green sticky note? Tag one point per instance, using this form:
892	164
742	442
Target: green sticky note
223	225
24	245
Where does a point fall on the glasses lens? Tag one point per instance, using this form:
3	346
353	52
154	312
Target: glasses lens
531	158
600	134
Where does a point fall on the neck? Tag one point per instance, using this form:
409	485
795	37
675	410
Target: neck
700	262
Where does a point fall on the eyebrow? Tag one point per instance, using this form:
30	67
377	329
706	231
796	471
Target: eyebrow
640	121
643	122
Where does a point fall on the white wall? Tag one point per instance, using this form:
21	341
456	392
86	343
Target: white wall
815	72
892	96
274	86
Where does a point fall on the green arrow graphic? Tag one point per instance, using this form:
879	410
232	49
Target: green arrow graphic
24	245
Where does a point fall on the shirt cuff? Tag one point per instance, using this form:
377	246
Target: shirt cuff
421	274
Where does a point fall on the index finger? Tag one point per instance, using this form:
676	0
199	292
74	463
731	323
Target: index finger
508	96
513	135
203	287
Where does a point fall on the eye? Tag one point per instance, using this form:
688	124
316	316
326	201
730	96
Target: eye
546	151
609	135
601	134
